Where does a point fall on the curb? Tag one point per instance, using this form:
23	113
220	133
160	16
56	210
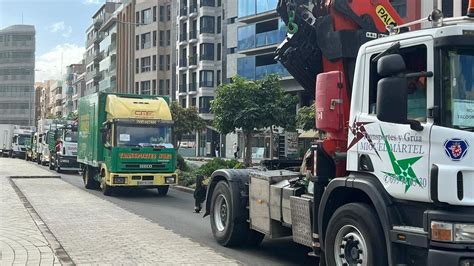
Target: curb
35	176
183	189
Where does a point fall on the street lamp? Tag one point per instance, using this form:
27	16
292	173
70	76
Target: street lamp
129	42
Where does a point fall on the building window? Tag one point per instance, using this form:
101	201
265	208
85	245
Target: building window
401	7
137	65
168	62
219	51
154	38
231	50
161	87
137	17
154	14
146	16
193	101
207	24
146	64
162	63
231	20
154	62
137	89
153	86
137	42
207	51
168	37
183	102
145	87
205	104
168	86
218	77
219	25
162	13
219	2
208	3
168	12
206	78
162	38
146	40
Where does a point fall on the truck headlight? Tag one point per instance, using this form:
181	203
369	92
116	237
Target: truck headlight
170	180
119	180
452	232
464	232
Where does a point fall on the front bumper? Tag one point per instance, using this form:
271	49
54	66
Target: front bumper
441	253
20	154
68	163
146	180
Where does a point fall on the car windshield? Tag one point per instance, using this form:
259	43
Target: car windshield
70	135
142	136
458	68
22	139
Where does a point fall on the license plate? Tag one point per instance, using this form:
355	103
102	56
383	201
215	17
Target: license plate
145	182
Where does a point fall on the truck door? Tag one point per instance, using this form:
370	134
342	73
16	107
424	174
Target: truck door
398	155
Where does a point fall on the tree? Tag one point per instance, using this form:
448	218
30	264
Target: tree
252	105
305	119
72	116
186	121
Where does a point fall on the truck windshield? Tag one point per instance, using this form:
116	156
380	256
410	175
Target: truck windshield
22	139
70	135
458	73
143	135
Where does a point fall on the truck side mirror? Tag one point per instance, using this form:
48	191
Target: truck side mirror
392	90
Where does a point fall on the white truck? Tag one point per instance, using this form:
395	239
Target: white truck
42	150
6	135
20	135
391	183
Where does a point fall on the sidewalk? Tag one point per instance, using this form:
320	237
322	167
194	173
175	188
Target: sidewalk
95	231
21	241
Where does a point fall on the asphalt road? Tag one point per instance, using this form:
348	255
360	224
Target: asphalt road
175	212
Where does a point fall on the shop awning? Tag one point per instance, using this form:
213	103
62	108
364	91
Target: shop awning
310	134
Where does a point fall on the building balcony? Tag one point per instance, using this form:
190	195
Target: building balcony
208	30
206	84
193	36
206	57
193	10
262	71
183	37
183	63
192	87
261	42
183	12
182	88
258	10
204	110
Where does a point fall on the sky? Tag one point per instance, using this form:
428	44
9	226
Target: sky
60	30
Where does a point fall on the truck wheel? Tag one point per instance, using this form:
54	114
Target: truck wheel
163	190
106	189
89	181
227	229
354	237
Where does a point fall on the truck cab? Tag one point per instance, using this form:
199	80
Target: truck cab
20	135
62	146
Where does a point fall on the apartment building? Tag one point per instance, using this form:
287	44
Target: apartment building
17	74
154	47
199	48
56	98
79	88
94	36
72	71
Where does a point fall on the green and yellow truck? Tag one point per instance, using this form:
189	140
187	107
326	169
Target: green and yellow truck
125	142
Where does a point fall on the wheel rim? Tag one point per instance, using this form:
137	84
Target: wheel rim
350	247
221	212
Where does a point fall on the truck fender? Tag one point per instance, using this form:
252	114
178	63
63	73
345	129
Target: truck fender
106	175
361	187
237	179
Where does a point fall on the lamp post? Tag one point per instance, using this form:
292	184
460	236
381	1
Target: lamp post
129	42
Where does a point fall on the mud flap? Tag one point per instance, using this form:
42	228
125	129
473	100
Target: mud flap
301	220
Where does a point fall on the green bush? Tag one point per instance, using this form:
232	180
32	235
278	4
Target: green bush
181	163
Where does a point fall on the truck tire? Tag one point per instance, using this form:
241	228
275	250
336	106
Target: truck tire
355	237
163	190
106	189
88	178
227	231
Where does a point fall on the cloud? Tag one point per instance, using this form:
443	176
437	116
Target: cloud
93	2
62	28
49	65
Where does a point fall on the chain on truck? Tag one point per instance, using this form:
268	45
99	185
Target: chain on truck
391	181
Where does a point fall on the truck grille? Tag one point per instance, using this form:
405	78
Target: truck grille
144	166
